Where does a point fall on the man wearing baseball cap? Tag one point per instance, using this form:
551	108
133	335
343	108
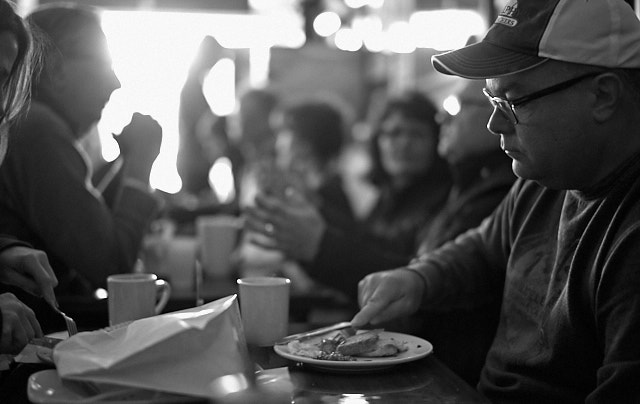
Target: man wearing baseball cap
563	249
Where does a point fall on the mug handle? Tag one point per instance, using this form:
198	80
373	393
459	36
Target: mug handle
164	289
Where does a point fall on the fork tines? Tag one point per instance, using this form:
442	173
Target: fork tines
72	329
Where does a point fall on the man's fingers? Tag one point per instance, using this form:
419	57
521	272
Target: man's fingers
34	326
365	290
6	337
257	214
50	297
253	221
44	263
370	310
18	329
26	283
31	271
271	205
45	278
265	242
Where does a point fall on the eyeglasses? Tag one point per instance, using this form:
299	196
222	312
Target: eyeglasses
507	107
410	131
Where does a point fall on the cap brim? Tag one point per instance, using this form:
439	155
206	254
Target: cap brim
484	60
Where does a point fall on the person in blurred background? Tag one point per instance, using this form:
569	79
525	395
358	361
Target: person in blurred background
482	177
253	138
20	265
413	182
203	139
310	135
195	119
245	138
46	196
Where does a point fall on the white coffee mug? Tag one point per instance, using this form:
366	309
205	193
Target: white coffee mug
135	296
264	307
180	262
218	237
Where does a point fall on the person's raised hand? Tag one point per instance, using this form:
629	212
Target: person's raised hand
140	143
292	225
19	324
210	51
386	295
28	269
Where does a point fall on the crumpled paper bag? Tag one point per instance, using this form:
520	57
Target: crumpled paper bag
181	352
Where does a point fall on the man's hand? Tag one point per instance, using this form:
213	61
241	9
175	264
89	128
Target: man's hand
19	324
292	225
29	269
386	295
140	143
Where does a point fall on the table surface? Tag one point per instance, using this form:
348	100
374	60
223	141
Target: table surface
279	380
426	380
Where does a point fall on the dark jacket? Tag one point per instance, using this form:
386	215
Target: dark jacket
47	200
387	238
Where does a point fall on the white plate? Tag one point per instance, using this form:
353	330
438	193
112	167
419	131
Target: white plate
46	387
418	348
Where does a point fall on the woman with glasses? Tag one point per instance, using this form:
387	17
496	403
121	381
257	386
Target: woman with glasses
412	182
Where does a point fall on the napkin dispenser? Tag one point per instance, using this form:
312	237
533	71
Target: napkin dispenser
183	352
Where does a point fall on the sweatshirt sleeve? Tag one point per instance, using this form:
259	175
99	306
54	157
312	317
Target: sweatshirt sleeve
469	270
616	303
343	261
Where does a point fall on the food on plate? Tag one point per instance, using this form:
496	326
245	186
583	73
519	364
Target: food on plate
358	344
386	347
337	346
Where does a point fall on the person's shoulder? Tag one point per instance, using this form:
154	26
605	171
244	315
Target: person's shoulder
40	125
41	132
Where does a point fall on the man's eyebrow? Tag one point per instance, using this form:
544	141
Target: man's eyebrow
511	86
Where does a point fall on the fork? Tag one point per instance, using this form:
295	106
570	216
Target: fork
72	329
50	298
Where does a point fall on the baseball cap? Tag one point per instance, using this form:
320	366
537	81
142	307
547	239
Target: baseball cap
527	33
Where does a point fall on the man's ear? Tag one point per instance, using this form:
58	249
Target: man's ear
608	90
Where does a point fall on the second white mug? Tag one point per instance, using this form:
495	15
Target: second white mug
218	236
264	307
136	296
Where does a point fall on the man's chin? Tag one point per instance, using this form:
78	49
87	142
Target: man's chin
521	171
527	174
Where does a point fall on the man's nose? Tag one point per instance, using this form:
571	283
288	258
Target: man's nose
498	123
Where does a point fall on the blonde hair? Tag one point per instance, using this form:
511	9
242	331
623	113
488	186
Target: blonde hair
16	91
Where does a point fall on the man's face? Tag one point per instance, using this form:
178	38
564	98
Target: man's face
551	143
86	82
465	136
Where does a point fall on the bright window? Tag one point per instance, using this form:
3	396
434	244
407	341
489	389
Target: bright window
151	54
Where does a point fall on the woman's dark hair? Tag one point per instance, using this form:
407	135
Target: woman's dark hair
64	30
17	89
410	104
318	124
